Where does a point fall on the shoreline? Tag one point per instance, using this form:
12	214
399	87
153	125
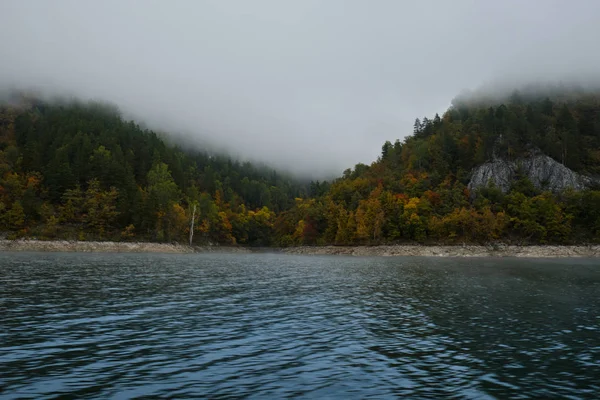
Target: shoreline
534	251
110	247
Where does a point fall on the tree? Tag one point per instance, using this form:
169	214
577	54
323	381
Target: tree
15	217
175	223
192	224
260	227
417	127
162	188
343	235
59	176
72	206
163	193
100	208
385	150
413	226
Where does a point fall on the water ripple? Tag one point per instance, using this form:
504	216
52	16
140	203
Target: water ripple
272	326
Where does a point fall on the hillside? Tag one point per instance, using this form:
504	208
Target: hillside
418	190
80	171
518	168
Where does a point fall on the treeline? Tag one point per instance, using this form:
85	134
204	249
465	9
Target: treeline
82	171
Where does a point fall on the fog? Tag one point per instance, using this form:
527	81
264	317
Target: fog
311	86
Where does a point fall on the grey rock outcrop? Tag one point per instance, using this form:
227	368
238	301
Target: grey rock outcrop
544	172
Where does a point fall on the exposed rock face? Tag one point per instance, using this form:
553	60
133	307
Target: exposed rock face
544	172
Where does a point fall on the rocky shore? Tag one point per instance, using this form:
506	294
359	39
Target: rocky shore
109	247
394	250
452	251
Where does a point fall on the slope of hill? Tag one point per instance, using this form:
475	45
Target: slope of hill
74	170
418	190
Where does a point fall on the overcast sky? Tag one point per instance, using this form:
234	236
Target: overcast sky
310	85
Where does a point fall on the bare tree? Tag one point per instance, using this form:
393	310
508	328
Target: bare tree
192	225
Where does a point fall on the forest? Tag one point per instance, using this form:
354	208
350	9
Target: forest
80	171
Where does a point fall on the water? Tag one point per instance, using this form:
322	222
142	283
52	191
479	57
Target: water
274	326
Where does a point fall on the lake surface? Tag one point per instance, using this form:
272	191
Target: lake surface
274	326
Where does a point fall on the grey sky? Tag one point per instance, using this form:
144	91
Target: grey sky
313	85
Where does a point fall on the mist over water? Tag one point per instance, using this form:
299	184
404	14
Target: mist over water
310	86
274	326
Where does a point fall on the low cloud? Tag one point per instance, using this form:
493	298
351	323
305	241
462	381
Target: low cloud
310	86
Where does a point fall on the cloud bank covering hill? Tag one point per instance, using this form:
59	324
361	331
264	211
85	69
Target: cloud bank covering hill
310	86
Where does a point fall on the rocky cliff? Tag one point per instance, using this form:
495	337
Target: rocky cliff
544	172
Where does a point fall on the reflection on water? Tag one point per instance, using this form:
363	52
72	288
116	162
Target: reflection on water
128	325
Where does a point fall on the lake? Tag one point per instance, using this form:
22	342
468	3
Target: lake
273	326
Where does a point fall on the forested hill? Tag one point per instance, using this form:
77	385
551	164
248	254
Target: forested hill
80	171
417	190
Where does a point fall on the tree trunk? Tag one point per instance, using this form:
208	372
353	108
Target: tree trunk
192	225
